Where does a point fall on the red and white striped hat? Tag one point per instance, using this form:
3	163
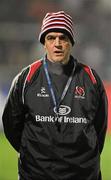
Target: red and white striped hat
57	22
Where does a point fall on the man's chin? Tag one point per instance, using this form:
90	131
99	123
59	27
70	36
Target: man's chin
58	59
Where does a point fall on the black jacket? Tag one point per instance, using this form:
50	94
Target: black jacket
49	150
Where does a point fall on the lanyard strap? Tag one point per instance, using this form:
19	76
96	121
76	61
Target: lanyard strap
55	101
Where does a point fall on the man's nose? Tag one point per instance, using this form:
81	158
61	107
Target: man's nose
57	41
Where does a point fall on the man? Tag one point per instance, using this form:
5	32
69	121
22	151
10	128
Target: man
56	111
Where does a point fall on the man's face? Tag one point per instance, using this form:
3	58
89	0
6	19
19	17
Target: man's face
58	47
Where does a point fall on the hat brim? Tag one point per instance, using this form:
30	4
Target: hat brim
43	34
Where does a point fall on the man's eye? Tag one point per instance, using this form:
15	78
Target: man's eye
50	38
63	38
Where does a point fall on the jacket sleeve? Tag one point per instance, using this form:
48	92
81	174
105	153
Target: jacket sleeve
100	121
14	114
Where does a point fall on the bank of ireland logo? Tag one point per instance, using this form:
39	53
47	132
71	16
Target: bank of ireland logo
79	92
63	110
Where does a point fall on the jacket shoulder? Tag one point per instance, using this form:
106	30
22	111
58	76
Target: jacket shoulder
90	72
32	69
29	72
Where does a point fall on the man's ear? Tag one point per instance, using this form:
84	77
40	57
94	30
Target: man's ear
44	46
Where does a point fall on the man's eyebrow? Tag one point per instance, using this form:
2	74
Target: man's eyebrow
50	35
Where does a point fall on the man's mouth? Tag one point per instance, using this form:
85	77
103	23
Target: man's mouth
58	52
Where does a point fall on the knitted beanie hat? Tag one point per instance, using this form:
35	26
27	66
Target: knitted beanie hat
57	22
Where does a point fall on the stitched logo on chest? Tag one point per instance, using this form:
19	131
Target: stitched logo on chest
42	93
63	110
79	92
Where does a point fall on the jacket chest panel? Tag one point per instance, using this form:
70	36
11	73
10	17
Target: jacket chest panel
78	105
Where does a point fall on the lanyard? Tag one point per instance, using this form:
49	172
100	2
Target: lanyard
55	101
